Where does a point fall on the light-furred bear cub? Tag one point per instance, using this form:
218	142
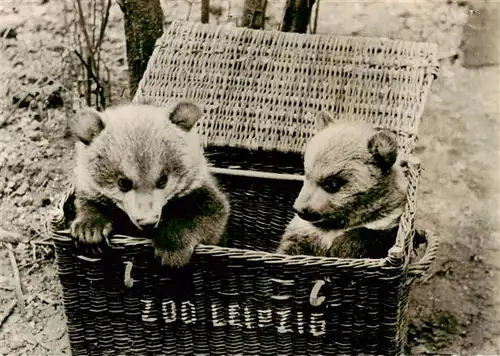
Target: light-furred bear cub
353	195
140	171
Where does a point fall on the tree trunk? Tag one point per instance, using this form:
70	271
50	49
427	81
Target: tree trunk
296	15
205	11
254	14
143	26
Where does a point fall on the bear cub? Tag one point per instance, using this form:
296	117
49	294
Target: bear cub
141	171
353	194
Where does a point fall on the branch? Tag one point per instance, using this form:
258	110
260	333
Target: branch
17	279
100	88
104	24
316	15
7	311
83	25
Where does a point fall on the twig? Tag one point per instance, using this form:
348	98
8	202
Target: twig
33	249
94	13
42	242
104	24
89	48
108	86
47	300
17	279
28	272
83	26
7	311
39	233
91	73
30	263
190	2
12	236
71	70
316	13
45	249
78	41
447	55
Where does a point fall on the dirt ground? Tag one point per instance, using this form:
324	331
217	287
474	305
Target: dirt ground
455	309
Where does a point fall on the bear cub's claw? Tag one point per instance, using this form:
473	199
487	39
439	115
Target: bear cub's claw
90	230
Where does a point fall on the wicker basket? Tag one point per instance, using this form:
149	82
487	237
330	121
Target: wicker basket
260	91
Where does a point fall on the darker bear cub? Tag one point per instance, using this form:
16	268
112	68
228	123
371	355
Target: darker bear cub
353	194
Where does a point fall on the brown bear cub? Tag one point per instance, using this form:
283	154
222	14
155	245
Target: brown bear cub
353	195
140	171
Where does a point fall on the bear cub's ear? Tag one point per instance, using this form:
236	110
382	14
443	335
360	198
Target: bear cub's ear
184	114
86	125
383	146
323	119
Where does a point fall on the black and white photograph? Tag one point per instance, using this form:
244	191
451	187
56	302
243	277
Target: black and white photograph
249	177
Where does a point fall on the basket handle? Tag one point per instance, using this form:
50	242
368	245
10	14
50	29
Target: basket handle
417	269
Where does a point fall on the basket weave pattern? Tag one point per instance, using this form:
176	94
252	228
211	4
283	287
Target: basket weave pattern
260	91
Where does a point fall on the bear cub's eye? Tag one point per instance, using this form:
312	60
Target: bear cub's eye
125	184
162	182
332	184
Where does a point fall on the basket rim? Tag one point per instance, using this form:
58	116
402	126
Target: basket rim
432	46
118	241
395	255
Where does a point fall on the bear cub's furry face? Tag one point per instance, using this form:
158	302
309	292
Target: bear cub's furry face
139	156
350	175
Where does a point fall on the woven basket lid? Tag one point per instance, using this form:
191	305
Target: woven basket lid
262	89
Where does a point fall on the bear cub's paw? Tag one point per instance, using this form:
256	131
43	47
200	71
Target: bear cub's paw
90	229
178	258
